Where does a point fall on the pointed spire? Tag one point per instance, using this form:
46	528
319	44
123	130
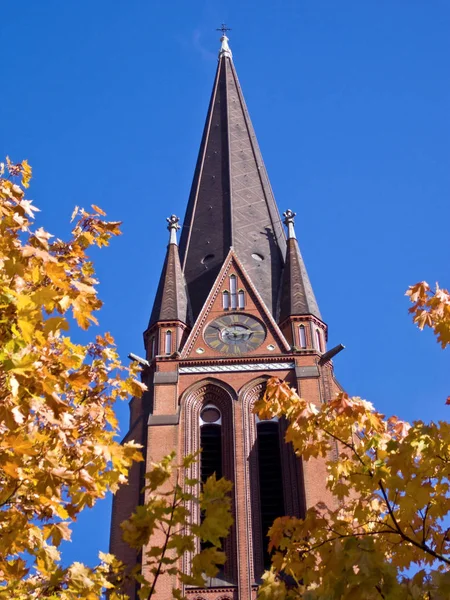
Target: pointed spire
231	201
171	301
297	296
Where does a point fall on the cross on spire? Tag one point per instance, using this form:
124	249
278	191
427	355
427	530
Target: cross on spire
225	48
223	28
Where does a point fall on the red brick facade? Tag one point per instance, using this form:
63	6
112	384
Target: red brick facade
177	397
188	370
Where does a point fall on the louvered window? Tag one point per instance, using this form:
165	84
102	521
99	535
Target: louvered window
270	478
211	445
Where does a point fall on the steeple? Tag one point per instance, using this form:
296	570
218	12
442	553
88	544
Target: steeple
296	296
204	372
231	203
171	302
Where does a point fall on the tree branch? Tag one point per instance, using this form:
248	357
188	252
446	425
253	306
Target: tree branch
164	550
423	546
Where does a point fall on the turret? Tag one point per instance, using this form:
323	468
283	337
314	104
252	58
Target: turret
299	318
170	317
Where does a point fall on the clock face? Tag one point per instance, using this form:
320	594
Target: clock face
235	334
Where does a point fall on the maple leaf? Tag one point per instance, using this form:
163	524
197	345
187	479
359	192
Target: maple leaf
48	476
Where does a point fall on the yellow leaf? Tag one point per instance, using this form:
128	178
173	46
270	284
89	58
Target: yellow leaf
65	302
98	210
54	324
21	445
60	531
10	469
27	328
17	415
14	385
26	173
44	296
82	287
75	212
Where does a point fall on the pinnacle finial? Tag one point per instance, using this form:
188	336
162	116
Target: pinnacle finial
173	226
225	48
289	217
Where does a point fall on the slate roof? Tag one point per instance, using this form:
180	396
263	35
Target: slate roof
296	294
171	301
231	203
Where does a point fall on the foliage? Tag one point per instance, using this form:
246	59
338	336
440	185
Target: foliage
431	310
387	535
58	452
164	530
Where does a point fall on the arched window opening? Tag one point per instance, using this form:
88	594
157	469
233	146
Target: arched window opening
211	446
241	299
168	342
233	291
153	347
318	341
226	300
211	442
302	336
270	478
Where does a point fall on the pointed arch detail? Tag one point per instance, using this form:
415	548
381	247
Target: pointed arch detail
291	473
211	391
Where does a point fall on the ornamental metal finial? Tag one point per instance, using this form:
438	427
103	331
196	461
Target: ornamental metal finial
225	48
289	216
173	226
223	28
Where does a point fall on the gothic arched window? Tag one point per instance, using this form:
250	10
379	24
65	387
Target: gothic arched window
226	300
318	340
208	425
211	442
168	347
153	347
233	291
302	336
241	299
270	478
211	446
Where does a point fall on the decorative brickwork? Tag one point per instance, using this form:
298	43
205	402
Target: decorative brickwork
291	471
235	270
210	391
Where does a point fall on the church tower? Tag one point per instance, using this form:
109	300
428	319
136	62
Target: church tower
234	307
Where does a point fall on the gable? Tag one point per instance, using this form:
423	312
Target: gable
234	321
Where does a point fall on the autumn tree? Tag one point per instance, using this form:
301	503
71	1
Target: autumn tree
389	538
58	447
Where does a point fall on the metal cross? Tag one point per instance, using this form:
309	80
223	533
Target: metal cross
223	28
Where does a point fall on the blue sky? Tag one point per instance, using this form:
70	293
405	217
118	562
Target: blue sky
349	100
